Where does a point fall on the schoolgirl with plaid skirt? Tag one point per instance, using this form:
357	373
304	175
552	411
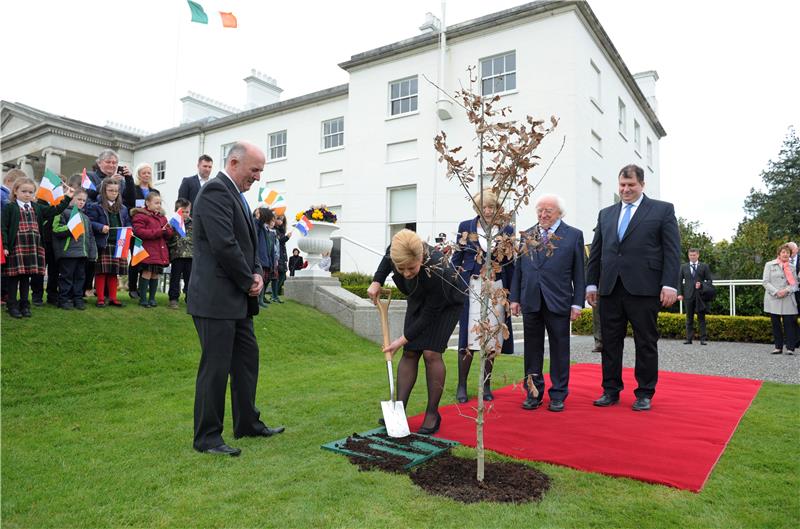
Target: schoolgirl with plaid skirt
22	238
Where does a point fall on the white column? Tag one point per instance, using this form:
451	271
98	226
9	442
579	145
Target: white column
26	165
52	159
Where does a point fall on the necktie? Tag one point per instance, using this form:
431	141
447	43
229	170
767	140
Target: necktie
694	269
244	202
626	219
545	237
27	208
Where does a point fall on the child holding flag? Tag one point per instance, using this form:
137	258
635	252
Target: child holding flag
151	226
110	220
180	251
73	246
22	240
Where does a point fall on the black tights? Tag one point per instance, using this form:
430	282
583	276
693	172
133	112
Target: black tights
434	374
464	363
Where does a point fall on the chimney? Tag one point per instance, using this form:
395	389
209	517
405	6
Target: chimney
431	24
197	106
262	90
647	84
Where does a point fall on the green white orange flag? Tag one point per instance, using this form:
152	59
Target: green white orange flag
228	20
50	189
75	223
198	13
274	200
139	253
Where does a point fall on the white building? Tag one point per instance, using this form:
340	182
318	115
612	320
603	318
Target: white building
366	148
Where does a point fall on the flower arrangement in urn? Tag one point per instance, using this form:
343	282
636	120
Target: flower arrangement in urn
319	213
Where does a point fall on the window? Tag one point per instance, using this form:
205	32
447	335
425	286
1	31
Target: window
622	119
161	171
402	208
596	84
649	153
403	96
637	136
331	178
597	143
224	150
277	145
333	133
499	73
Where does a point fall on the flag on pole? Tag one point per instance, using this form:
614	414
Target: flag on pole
304	225
75	223
123	242
228	20
50	189
273	200
86	182
198	13
176	221
139	253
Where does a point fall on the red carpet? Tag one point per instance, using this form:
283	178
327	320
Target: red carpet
676	443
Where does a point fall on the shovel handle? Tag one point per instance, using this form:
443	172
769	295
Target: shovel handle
383	311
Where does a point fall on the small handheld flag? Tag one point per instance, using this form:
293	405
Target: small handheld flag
273	200
304	225
228	20
198	13
139	253
123	242
75	223
176	221
86	182
50	189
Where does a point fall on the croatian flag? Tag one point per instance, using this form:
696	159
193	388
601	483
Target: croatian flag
123	242
304	225
86	182
176	221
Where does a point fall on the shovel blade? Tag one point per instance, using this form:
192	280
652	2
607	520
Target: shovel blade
394	415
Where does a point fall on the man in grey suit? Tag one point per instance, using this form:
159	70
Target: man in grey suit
693	275
548	288
191	185
633	265
223	297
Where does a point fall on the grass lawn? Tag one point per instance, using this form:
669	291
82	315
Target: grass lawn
97	432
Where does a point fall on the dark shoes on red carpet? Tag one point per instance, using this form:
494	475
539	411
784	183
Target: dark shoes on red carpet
223	450
461	394
266	432
531	404
641	404
487	394
606	400
556	405
433	429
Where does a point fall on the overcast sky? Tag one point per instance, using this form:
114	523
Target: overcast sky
728	88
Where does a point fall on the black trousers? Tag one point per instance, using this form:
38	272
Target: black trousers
229	348
37	281
180	268
23	284
557	325
786	336
619	308
701	320
71	274
133	278
88	276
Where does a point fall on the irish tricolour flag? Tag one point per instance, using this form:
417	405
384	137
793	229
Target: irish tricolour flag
123	242
273	200
50	189
75	223
139	253
176	221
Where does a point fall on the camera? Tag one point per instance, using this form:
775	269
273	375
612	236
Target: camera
120	168
439	240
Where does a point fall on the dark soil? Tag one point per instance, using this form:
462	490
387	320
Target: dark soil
385	461
504	482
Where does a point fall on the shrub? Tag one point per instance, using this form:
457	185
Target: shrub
353	278
361	291
751	329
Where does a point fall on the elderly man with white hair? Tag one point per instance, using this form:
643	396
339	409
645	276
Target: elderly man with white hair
795	262
548	289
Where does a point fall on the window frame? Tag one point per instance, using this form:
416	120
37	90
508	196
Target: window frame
622	118
160	170
637	137
331	135
412	98
495	76
283	145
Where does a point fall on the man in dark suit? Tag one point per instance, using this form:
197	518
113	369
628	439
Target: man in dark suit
191	185
693	275
223	296
633	265
548	288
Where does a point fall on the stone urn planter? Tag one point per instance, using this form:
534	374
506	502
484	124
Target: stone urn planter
317	242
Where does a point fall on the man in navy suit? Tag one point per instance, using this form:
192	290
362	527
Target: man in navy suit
548	288
191	185
633	265
223	297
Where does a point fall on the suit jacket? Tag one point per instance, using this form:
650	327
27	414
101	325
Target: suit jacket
558	278
189	188
648	256
224	254
686	281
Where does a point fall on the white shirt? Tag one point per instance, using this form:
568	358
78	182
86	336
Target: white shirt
204	182
22	204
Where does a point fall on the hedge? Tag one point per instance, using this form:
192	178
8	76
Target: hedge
750	329
361	291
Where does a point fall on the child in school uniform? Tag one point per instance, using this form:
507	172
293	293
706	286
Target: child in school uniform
108	215
22	241
152	227
180	255
72	254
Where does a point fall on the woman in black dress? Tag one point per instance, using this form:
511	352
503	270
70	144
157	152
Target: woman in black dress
434	306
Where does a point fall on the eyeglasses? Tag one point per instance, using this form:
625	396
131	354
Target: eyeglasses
547	211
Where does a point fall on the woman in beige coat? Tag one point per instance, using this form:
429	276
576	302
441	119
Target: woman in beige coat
780	282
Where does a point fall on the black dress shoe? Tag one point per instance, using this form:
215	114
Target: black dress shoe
487	394
531	404
687	342
26	312
224	450
461	394
14	313
556	405
606	400
641	404
266	432
598	349
430	431
702	342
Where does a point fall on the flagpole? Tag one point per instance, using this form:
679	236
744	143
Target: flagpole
175	119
